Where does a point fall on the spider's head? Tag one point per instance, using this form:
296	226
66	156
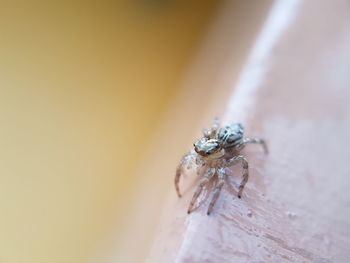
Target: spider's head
208	147
230	135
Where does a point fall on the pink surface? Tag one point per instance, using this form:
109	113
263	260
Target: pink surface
294	92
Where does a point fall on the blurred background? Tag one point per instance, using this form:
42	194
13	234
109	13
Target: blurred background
98	100
83	86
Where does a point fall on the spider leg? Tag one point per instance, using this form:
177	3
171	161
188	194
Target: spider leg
216	124
209	173
217	190
210	133
256	141
186	161
177	179
245	175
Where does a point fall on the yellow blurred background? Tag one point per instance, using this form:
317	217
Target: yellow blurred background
82	86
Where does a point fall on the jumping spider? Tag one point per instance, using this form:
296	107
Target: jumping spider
217	149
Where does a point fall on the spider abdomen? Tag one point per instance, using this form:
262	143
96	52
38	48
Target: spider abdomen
231	135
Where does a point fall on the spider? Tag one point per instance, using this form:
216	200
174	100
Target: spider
217	149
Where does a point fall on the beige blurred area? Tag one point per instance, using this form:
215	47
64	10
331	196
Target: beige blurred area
83	84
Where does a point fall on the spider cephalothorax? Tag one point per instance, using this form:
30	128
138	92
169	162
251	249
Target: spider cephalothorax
218	149
208	147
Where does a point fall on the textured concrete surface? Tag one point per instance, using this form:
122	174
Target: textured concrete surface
294	91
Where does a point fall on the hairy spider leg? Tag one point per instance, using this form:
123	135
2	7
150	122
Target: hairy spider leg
211	133
209	173
256	141
186	161
245	175
218	186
